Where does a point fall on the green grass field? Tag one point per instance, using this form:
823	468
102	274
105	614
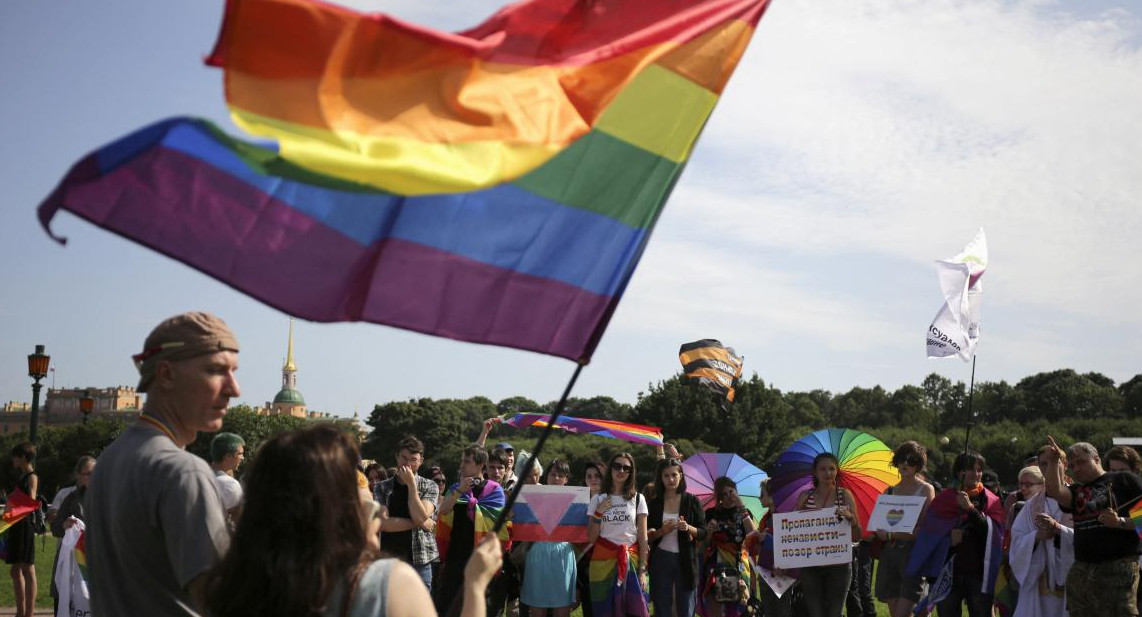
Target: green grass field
45	557
46	552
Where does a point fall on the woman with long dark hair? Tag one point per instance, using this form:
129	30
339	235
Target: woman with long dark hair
675	526
726	573
618	529
306	544
825	587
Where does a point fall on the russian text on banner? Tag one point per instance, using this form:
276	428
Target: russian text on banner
811	538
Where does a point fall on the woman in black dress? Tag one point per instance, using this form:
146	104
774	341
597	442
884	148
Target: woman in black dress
21	537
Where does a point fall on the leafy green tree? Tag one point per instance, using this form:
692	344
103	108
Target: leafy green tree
243	421
1062	394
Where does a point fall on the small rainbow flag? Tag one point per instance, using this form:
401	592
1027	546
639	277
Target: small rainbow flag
81	556
634	433
497	185
1136	516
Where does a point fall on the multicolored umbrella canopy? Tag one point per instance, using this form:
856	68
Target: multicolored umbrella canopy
865	468
702	469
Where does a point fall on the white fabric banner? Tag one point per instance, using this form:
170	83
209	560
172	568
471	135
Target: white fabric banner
955	330
74	599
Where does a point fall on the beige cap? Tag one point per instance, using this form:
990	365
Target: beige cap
180	338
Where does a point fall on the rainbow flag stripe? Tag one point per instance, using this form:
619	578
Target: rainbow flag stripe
496	185
625	431
81	556
18	507
483	513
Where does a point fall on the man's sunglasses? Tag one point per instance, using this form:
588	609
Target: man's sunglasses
621	467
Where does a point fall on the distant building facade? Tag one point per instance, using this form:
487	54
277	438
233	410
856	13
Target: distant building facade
61	407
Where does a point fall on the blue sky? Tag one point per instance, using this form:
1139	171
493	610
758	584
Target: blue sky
857	142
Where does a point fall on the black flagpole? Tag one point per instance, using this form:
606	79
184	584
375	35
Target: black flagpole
501	520
971	415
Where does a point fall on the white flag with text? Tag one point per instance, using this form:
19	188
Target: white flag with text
955	330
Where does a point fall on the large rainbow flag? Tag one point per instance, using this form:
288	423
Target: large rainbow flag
496	185
625	431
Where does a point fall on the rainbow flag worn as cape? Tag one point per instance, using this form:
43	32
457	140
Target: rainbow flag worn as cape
482	510
634	433
496	185
933	540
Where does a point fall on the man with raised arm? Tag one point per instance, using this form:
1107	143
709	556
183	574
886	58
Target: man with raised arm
1104	578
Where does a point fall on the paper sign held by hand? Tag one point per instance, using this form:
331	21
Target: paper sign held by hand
896	513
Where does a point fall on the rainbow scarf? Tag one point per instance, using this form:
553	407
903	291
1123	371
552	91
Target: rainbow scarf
483	510
933	540
625	431
614	586
496	185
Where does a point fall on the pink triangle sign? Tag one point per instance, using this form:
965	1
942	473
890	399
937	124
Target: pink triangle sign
549	508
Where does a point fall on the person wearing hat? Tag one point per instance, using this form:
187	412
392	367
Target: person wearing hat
156	523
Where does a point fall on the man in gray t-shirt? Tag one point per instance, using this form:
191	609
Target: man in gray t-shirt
155	521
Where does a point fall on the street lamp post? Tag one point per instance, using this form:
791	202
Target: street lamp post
38	363
86	405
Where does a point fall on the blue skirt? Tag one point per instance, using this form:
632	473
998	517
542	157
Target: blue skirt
549	575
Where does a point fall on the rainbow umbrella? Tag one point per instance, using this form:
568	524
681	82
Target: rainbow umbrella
865	468
702	469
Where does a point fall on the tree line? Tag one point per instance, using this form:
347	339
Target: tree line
1011	422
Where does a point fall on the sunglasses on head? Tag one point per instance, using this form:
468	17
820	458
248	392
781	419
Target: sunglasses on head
616	466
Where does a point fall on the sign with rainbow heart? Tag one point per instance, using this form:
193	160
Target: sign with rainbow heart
896	513
551	514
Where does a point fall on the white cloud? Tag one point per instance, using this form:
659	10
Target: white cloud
899	127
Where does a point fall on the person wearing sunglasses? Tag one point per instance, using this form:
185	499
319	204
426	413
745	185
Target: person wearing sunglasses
619	557
1042	548
899	591
726	572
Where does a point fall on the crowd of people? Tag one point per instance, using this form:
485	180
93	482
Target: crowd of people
311	529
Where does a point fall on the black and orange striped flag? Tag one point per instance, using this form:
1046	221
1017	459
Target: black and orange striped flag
709	363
